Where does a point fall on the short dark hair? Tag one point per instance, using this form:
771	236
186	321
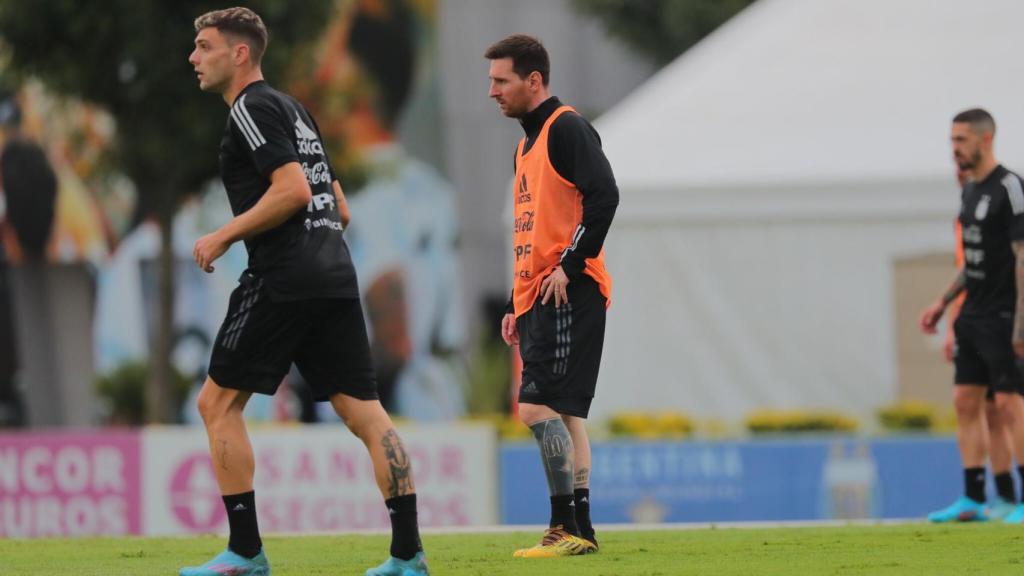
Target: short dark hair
979	119
527	54
241	22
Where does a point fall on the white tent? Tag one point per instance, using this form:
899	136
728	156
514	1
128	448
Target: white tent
771	176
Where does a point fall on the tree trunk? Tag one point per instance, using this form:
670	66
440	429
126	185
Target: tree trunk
161	405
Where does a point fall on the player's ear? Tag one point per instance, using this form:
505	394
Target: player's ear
536	80
240	52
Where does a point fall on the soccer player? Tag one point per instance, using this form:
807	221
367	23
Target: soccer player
565	197
990	327
297	301
1000	444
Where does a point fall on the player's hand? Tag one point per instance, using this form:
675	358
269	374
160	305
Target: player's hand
1018	348
555	284
931	316
1018	335
208	249
509	332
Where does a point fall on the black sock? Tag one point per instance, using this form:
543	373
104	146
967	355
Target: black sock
245	532
405	529
581	497
974	484
562	514
1004	487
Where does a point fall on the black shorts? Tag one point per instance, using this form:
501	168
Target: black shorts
561	349
984	353
324	337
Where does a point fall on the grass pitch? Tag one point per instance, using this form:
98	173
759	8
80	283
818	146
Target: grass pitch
847	550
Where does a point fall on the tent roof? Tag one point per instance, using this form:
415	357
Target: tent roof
804	91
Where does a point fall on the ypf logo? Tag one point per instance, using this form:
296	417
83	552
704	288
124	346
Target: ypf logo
195	498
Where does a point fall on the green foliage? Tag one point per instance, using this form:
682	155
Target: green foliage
661	29
907	416
650	425
131	58
123	392
785	421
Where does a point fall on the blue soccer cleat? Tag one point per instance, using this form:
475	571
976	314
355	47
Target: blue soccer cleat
1001	509
1015	517
415	566
963	510
227	563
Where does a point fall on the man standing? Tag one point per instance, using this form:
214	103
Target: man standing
298	300
1000	453
565	198
990	326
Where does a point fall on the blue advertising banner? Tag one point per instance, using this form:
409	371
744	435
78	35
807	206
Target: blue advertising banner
762	480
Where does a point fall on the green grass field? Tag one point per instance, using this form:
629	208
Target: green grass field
875	550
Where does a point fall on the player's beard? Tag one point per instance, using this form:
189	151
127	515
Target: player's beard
970	163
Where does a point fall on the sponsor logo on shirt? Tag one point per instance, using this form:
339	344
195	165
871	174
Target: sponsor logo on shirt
982	208
317	174
306	138
524	223
320	202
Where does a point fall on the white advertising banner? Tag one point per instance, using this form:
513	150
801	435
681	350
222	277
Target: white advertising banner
319	479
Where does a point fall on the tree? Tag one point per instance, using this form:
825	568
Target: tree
661	29
130	57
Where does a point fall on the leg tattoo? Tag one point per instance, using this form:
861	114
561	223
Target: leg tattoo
582	479
222	453
556	451
400	476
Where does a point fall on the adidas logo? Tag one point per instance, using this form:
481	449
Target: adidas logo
584	499
392	511
530	387
308	141
573	504
238	507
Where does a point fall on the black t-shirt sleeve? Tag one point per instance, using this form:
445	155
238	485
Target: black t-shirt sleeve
261	130
574	148
1015	196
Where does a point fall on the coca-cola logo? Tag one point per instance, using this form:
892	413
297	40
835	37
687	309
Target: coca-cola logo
318	174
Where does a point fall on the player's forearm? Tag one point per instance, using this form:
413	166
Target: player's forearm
339	197
1018	320
589	237
282	200
955	289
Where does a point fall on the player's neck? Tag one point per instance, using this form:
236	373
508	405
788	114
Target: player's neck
239	82
984	168
541	97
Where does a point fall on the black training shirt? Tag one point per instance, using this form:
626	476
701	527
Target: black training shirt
991	217
305	256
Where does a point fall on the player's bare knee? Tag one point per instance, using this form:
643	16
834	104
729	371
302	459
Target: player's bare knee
532	413
968	403
1007	408
207	406
524	415
365	419
992	414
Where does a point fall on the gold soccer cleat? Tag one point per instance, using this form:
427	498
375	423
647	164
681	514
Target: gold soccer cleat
557	542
